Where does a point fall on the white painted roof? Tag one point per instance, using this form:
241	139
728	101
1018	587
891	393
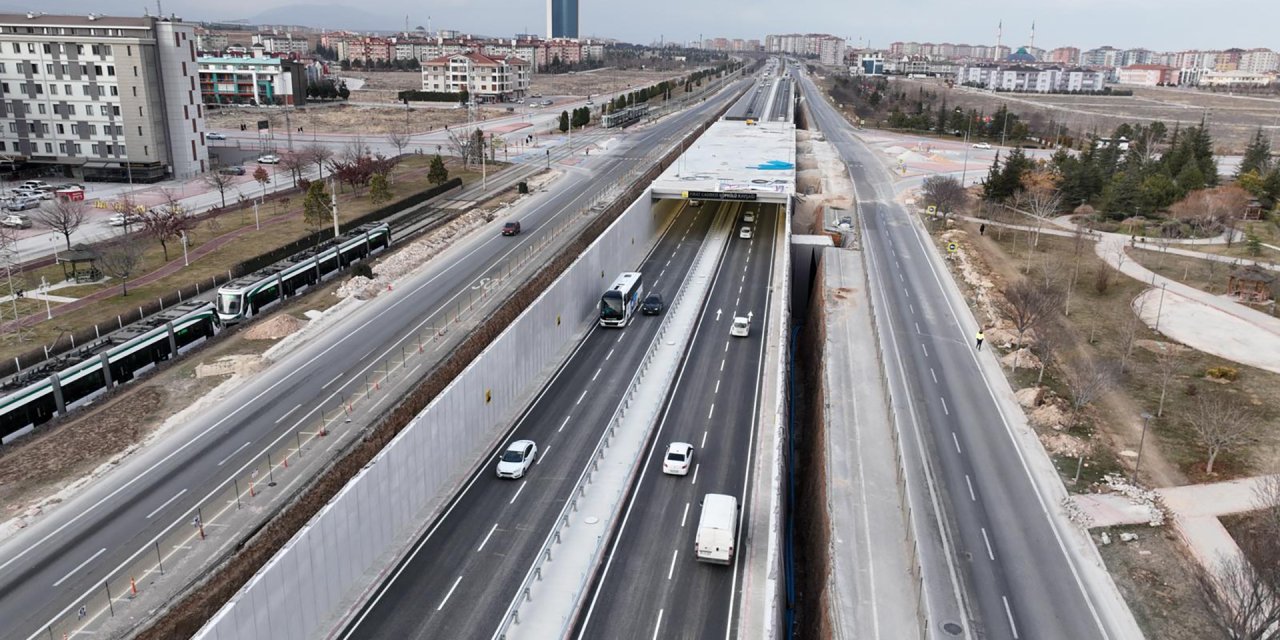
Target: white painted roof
733	156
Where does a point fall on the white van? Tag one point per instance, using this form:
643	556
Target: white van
717	529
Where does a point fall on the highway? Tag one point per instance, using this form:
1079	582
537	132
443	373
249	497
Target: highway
652	585
51	564
460	577
1016	577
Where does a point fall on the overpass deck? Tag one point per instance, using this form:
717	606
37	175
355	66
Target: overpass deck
735	160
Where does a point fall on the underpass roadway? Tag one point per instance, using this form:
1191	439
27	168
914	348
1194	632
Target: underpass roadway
1000	558
61	561
652	586
459	577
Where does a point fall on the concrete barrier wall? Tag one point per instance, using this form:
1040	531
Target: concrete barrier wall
312	575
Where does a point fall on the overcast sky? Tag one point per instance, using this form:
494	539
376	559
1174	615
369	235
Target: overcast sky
1155	24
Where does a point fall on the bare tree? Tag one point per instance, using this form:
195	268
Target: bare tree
1220	423
318	155
120	260
399	139
1086	380
1078	238
1166	371
1243	598
1128	323
354	149
944	192
1028	304
221	182
293	162
1041	197
1050	340
166	222
63	215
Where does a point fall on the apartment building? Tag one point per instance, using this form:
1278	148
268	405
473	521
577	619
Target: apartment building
1024	78
1064	55
100	97
367	48
255	80
1147	75
485	78
1235	79
283	44
1259	61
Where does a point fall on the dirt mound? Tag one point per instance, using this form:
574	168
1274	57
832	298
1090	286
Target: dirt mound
240	365
274	328
1063	444
1048	416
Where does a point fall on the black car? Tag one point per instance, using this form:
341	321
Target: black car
652	304
511	229
232	171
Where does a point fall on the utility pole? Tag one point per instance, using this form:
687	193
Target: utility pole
333	201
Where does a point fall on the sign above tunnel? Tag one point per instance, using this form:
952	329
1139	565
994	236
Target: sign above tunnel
718	195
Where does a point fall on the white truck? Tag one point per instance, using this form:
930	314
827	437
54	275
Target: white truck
717	529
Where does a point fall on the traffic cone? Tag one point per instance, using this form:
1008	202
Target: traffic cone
286	461
252	494
133	587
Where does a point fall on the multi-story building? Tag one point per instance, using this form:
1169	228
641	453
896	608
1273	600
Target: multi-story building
257	80
366	48
562	18
828	49
1260	61
1031	79
1131	57
486	79
1235	79
1101	57
1064	55
211	40
1147	75
283	44
103	98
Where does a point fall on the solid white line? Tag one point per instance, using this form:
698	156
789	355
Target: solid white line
935	376
944	406
335	379
957	441
80	566
517	495
224	460
704	441
166	503
972	496
541	454
584	394
711	411
695	473
597	374
446	596
562	425
990	554
486	538
674	554
657	626
1009	612
609	355
684	518
286	414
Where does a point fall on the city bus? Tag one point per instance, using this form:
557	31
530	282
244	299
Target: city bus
621	300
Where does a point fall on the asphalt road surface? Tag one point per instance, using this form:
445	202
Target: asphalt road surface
68	553
653	586
1018	581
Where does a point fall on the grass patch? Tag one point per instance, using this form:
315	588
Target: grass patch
1157	579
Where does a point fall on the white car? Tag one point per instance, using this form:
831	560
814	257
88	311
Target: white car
744	233
982	145
270	158
749	217
741	326
214	135
121	219
678	458
516	460
16	221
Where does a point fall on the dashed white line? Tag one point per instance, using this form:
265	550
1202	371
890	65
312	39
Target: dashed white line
990	554
1007	612
335	379
233	453
584	394
675	553
912	307
609	355
486	538
717	387
900	277
286	414
166	503
684	518
935	376
726	346
704	441
944	406
917	327
972	496
562	424
722	364
446	596
657	626
956	441
926	350
517	495
80	566
695	473
542	454
711	411
597	374
737	301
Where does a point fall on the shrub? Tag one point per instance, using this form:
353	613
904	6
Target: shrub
362	269
1222	373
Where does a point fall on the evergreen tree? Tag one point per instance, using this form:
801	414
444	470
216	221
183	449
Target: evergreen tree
564	121
315	206
1257	156
437	173
1191	178
1202	154
992	184
379	192
1157	192
1121	198
942	116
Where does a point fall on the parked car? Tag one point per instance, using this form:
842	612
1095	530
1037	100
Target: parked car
37	184
652	304
546	103
744	233
22	203
511	228
269	158
982	145
232	171
590	103
214	135
16	221
678	459
45	194
741	327
516	460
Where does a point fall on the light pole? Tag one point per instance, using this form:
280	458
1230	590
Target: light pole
1160	308
1146	420
965	171
333	201
185	261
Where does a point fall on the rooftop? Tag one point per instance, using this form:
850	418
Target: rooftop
736	157
88	20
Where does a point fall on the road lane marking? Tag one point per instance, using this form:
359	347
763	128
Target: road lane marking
80	566
562	424
286	414
990	554
717	387
972	496
541	455
446	596
917	328
957	441
722	364
166	503
675	553
711	411
517	495
233	453
609	355
1007	612
912	307
621	335
926	350
704	441
486	538
944	405
935	376
695	473
597	374
584	394
657	626
726	346
335	379
684	518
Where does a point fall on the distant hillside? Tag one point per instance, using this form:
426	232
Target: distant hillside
327	16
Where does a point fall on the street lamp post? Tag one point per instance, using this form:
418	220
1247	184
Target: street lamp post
1146	420
185	261
1160	308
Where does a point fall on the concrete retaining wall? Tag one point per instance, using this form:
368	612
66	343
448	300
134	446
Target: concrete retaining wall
313	574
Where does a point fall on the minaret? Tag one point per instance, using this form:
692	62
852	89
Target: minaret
999	35
1033	34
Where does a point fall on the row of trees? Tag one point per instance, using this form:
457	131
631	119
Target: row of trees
367	64
328	90
580	117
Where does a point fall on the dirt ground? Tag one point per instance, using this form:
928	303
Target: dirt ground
345	118
381	84
1156	576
